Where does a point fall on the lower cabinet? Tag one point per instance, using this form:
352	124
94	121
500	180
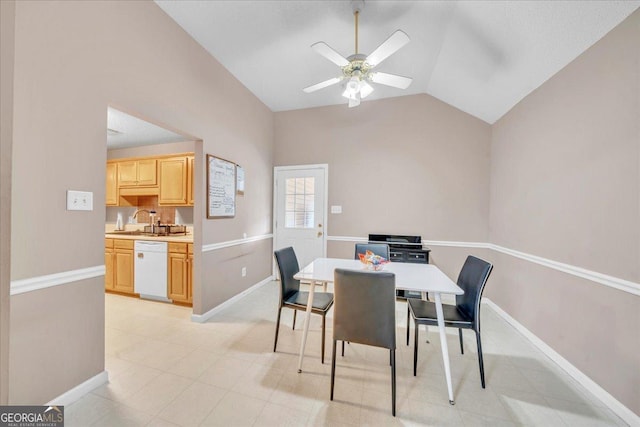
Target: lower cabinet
119	265
180	272
108	264
118	261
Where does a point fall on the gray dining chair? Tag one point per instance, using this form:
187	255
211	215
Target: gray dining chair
380	249
292	297
365	313
465	314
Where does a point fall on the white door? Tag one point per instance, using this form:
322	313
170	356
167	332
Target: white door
300	210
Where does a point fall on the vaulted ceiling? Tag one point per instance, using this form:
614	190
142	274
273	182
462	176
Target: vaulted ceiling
482	57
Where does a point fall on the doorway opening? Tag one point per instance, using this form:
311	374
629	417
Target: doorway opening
151	210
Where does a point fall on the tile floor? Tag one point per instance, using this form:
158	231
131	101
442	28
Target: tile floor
165	370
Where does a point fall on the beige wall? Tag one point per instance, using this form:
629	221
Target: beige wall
565	185
72	60
57	338
7	16
407	165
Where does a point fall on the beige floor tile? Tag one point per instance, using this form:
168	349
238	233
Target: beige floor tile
259	382
584	415
158	393
471	397
87	410
123	416
193	405
159	422
335	413
225	372
530	409
193	364
239	380
470	419
273	415
127	383
235	410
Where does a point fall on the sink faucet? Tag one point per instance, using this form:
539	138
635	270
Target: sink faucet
152	214
135	214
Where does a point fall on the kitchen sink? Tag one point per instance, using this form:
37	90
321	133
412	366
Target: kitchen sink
129	233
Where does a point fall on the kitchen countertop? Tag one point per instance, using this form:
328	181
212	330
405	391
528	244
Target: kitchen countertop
179	238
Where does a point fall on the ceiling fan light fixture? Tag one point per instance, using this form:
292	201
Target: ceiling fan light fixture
357	68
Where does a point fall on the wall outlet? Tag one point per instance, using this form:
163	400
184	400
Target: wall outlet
79	200
244	271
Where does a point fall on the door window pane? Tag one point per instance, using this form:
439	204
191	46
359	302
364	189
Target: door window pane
299	209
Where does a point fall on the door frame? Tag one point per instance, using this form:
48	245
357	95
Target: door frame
276	169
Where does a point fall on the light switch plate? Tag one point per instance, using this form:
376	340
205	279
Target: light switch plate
337	209
79	200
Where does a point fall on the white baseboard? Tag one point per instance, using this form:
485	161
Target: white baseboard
626	414
201	318
80	390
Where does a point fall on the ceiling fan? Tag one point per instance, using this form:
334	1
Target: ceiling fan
357	69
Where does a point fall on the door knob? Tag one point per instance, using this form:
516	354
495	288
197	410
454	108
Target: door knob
319	233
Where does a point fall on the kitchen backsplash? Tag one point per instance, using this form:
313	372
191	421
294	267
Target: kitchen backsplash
166	214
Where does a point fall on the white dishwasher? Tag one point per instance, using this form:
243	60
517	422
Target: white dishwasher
150	270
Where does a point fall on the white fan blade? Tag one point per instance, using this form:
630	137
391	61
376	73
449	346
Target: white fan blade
327	51
365	89
388	48
355	101
391	80
322	85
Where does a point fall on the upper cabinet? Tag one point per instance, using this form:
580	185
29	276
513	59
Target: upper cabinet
169	177
135	173
174	182
112	184
191	182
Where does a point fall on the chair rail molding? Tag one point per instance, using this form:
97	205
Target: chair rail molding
21	286
604	279
229	243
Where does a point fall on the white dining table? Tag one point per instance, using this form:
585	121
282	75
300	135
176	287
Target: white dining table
410	277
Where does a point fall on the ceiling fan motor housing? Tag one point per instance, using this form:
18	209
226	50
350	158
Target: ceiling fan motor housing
357	63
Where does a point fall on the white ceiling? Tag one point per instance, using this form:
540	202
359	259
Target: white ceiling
131	131
482	57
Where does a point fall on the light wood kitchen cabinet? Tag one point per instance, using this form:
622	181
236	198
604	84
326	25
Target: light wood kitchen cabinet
138	173
190	272
123	266
108	264
174	181
190	184
112	184
179	274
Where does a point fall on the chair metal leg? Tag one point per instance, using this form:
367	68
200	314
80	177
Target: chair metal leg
342	348
393	382
408	313
324	322
333	366
275	341
461	346
294	319
480	361
415	348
